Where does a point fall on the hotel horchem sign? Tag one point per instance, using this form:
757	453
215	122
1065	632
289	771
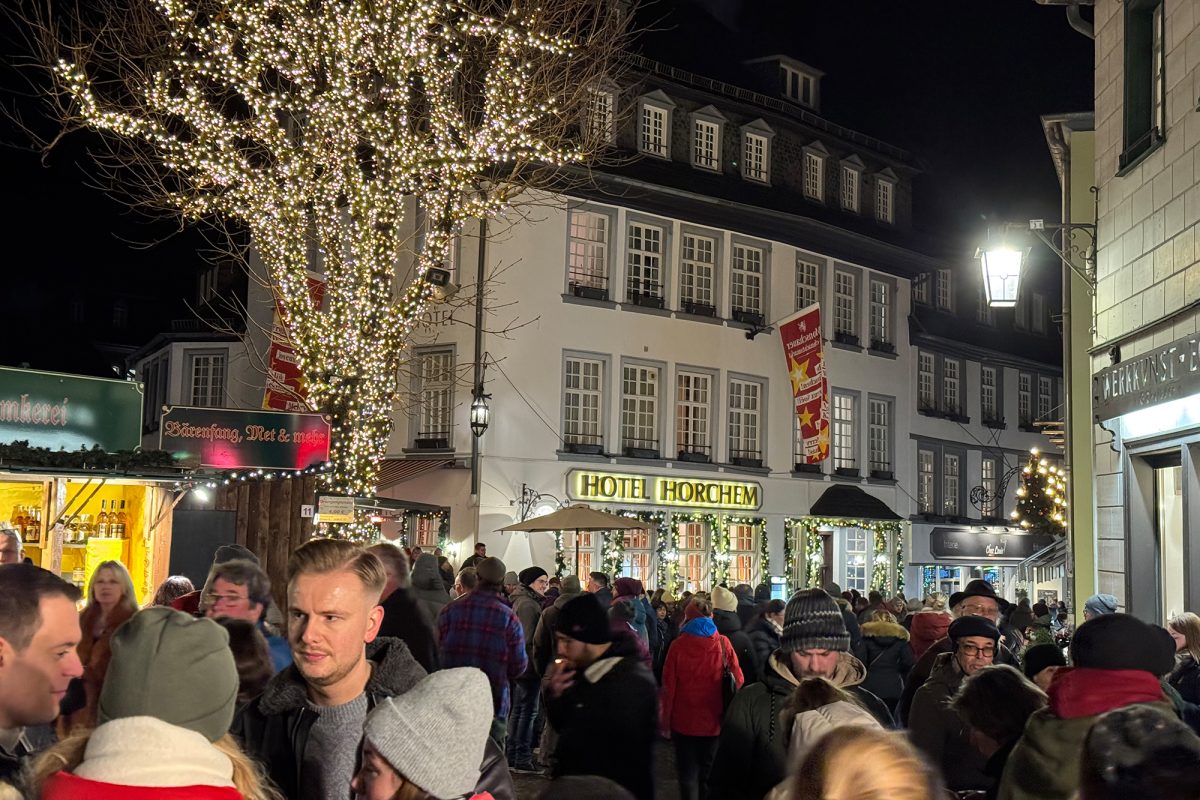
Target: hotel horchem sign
663	490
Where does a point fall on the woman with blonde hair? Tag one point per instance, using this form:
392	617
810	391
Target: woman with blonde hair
865	764
111	601
1185	677
163	720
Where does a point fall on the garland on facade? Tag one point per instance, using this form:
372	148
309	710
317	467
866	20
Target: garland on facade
612	553
900	562
717	553
789	556
443	540
879	528
760	525
660	530
20	454
880	562
764	557
560	561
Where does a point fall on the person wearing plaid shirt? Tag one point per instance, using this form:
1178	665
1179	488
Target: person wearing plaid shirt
480	630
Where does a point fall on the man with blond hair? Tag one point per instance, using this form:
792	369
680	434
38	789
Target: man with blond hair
306	726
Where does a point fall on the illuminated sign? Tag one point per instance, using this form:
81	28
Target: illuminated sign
662	490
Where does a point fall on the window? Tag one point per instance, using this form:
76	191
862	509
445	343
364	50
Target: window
884	202
1045	397
1038	311
881	313
1144	122
925	397
807	286
583	402
856	559
639	408
693	410
208	379
880	442
435	373
798	457
951	397
742	555
844	321
924	481
991	504
983	312
814	177
987	395
745	416
798	86
697	268
654	140
587	259
706	138
950	484
746	280
844	421
425	531
600	116
580	549
850	189
208	283
693	554
635	561
945	290
755	159
155	375
644	262
1025	399
920	288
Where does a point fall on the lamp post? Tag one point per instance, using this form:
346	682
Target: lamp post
1003	257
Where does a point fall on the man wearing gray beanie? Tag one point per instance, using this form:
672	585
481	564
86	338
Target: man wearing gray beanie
1098	605
751	757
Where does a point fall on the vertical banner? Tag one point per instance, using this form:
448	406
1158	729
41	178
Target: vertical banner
285	385
805	353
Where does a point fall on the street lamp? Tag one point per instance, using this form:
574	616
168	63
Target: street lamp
1002	258
480	413
1001	262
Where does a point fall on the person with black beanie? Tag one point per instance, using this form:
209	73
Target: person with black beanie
1040	662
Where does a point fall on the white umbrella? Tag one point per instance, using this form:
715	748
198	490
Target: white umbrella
578	518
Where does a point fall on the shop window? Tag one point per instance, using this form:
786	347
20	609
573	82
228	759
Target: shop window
746	283
583	542
644	261
951	505
587	258
435	393
424	531
697	272
857	559
693	408
639	410
807	286
743	554
925	483
635	561
745	423
207	371
583	403
693	555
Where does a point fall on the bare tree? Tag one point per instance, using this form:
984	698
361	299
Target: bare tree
310	122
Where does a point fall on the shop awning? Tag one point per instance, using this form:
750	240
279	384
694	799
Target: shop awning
853	503
398	470
1055	553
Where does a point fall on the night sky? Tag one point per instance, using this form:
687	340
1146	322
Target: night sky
961	83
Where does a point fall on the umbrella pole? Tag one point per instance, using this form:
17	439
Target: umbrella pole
576	552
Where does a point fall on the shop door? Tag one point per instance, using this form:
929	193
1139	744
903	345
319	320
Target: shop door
195	536
1169	534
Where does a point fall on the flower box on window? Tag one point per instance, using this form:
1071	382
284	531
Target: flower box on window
640	452
432	443
747	317
698	309
882	347
585	448
998	424
694	456
883	474
589	292
847	472
746	461
842	337
812	469
646	300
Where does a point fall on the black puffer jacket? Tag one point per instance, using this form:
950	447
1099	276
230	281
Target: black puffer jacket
1185	678
885	652
274	727
729	625
764	640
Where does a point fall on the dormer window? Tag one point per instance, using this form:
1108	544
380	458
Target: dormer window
707	123
756	151
798	86
654	126
814	172
601	123
885	197
851	179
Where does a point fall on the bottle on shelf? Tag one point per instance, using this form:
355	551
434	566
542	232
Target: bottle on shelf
34	528
85	527
122	521
18	522
102	521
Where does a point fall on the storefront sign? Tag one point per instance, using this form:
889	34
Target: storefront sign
59	411
233	439
609	487
802	347
964	544
1165	373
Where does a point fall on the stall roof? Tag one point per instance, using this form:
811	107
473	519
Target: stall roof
851	502
146	475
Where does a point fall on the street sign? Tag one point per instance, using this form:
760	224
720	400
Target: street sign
335	509
229	438
69	412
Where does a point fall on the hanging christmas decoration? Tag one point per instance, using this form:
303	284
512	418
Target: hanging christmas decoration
1041	497
560	560
882	531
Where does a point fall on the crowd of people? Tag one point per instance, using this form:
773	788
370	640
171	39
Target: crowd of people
378	673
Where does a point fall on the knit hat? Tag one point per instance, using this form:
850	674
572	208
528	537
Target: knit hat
1040	656
723	599
692	611
1101	604
570	585
435	733
973	626
812	621
1122	641
1040	609
159	659
832	589
583	618
491	571
233	552
627	587
1134	750
511	579
529	575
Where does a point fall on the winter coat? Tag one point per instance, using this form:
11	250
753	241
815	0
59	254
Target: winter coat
764	640
144	758
807	729
750	757
427	586
692	699
850	620
552	594
32	741
747	610
605	596
730	626
94	653
665	637
651	624
924	667
1045	763
941	734
274	727
927	627
606	721
884	649
527	605
1185	678
639	615
543	635
404	619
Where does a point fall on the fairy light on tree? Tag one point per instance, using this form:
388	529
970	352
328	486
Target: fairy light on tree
1041	497
315	126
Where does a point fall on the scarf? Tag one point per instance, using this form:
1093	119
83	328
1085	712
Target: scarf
1086	692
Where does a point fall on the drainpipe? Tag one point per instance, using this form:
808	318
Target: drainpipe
477	382
1076	21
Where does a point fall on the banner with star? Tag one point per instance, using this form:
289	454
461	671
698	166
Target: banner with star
804	350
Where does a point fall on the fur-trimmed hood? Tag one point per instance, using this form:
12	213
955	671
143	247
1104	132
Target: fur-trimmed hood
884	629
395	672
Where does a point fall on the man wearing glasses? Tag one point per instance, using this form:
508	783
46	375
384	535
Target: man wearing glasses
238	589
934	726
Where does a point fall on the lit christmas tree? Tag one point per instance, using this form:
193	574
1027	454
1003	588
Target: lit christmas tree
1041	497
316	125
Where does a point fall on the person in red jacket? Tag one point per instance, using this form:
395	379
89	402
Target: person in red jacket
692	698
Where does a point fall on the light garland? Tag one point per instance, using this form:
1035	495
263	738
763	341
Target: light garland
612	553
760	526
560	561
1041	497
660	532
714	525
881	530
315	125
790	527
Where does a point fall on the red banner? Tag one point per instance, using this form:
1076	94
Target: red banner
285	385
805	353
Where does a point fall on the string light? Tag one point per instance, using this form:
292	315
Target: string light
1041	499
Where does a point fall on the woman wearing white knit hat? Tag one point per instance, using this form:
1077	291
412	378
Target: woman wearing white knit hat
427	743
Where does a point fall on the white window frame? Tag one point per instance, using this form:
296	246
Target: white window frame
879	436
952	394
756	156
851	179
951	484
640	424
926	472
583	400
747	269
706	144
885	201
601	114
989	471
654	130
845	430
989	409
645	248
983	312
858	551
881	311
945	290
808	282
845	302
1024	398
814	176
698	268
920	288
742	554
693	552
435	393
589	242
745	419
926	368
798	85
207	372
639	550
694	412
1045	403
